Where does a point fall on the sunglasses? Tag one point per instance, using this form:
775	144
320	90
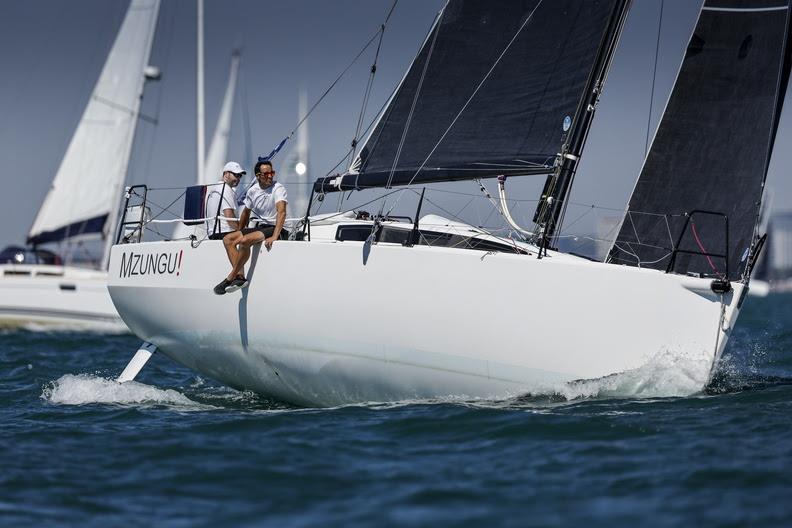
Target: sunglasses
265	173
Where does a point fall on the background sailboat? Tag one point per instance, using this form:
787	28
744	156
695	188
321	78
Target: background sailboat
218	148
212	167
82	202
81	206
295	171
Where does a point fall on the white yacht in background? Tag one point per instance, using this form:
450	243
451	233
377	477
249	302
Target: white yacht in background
295	172
360	308
36	286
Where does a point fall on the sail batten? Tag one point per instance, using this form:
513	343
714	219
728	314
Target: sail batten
495	84
91	174
712	148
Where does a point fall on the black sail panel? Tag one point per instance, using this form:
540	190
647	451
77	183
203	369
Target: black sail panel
488	93
712	148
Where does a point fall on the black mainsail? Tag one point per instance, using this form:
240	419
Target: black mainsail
494	90
696	203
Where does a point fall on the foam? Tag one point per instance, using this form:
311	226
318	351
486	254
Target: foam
82	327
81	389
669	374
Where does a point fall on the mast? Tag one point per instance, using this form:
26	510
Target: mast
201	156
552	204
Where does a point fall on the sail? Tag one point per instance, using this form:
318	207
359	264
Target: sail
88	183
218	149
492	91
712	148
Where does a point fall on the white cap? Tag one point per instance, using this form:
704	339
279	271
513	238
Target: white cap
233	166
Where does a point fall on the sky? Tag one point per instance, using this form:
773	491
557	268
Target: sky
51	53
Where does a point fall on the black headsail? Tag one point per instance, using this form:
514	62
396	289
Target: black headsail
494	90
696	203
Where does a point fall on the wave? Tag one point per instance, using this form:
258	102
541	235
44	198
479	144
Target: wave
63	327
82	389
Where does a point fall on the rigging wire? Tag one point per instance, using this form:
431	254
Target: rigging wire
654	78
371	124
378	33
412	108
467	103
370	83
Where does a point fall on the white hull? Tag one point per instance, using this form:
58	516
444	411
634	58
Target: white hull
56	297
317	326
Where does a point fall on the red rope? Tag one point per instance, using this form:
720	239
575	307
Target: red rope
701	246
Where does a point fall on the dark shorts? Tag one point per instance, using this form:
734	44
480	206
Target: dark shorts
267	230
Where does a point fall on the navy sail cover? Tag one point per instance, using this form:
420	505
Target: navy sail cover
712	148
488	93
91	226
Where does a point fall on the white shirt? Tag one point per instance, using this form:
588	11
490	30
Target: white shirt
213	199
262	201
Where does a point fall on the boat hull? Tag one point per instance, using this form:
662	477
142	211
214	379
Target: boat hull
44	296
328	323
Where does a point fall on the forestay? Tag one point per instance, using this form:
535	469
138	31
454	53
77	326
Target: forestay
492	91
92	172
713	145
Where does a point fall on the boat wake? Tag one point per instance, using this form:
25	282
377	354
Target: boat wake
82	389
667	375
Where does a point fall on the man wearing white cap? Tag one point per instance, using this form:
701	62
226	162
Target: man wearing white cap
221	201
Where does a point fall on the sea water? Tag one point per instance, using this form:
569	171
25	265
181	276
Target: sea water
175	449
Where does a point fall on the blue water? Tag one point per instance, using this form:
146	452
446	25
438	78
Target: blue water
178	450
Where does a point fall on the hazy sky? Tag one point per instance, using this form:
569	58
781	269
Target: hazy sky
51	53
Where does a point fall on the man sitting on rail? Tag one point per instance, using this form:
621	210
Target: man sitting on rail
268	201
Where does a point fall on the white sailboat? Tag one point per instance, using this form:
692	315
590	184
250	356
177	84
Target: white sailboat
212	168
218	148
375	309
35	285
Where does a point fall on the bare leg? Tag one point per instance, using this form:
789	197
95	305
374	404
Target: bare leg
243	253
230	242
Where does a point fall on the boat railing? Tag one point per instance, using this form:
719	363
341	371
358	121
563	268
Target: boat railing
169	214
135	193
150	212
702	252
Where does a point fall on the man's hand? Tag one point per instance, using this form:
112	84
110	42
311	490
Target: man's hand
268	242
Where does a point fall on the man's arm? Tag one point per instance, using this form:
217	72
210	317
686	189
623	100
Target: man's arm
280	220
244	218
230	213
